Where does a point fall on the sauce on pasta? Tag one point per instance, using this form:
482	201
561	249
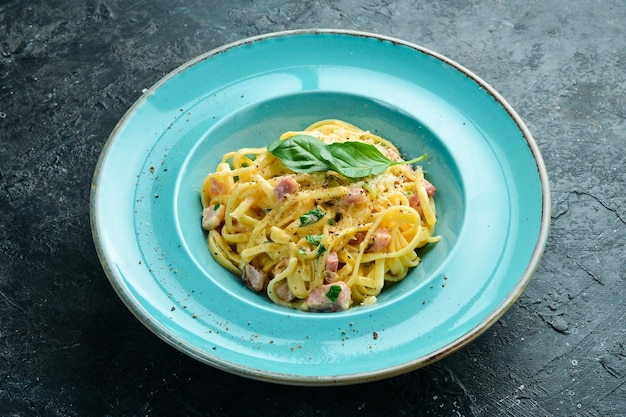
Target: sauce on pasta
317	241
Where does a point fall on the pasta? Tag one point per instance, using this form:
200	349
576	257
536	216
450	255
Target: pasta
317	241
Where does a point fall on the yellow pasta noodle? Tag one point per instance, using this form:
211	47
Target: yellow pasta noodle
317	241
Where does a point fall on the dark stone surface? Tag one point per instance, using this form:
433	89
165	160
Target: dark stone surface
69	70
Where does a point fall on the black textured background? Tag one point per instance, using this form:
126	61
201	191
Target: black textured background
69	70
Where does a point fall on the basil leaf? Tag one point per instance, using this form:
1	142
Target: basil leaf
356	159
300	153
311	216
333	292
321	249
305	154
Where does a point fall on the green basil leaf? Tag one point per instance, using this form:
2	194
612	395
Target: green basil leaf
300	153
305	154
333	292
356	159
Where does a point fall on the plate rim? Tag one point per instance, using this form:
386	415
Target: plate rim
341	379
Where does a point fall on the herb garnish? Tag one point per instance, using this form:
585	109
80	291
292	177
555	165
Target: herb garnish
314	239
333	292
305	154
311	216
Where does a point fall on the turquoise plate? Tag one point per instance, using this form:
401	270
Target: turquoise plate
492	199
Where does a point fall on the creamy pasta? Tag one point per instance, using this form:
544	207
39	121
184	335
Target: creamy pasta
317	241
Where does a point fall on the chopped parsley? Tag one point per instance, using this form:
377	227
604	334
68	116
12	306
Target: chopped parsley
333	292
314	239
311	216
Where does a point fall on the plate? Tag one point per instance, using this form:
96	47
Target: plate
492	200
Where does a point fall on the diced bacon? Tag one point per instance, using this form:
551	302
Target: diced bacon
414	200
332	261
253	278
380	240
331	267
241	227
356	196
283	292
213	216
286	185
430	189
318	298
217	187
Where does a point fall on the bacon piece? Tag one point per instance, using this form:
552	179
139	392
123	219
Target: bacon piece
286	185
213	216
332	261
330	269
380	240
282	291
430	189
217	187
414	201
356	196
318	298
253	278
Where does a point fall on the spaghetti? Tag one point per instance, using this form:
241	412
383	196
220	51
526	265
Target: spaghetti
317	241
